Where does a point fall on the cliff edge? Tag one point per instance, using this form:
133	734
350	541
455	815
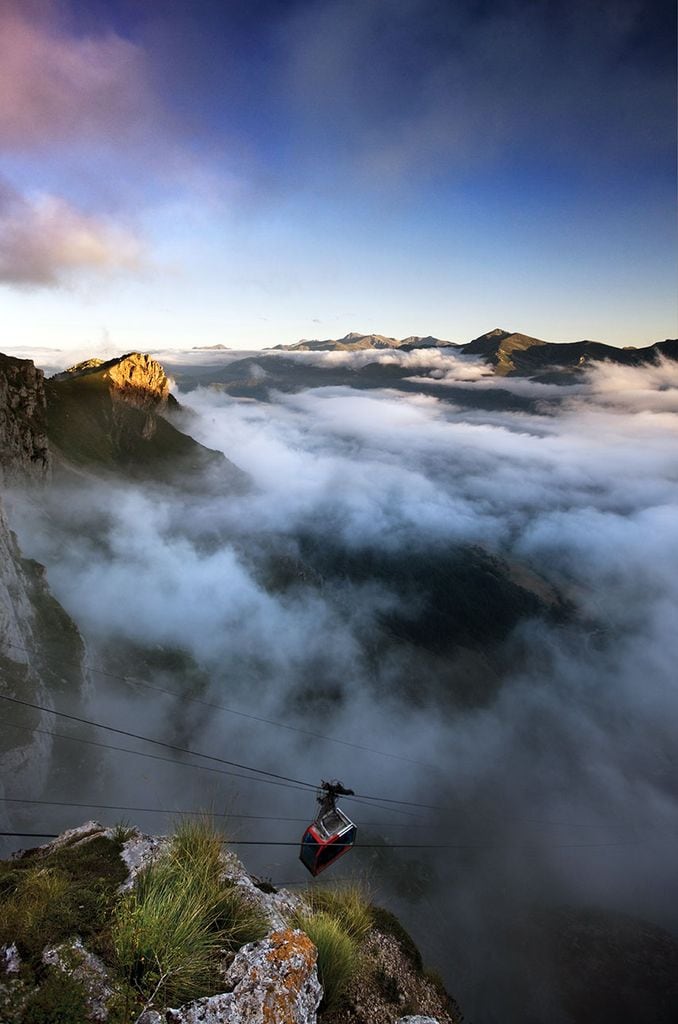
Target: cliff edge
173	930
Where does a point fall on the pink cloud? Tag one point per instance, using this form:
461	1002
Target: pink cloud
58	88
43	241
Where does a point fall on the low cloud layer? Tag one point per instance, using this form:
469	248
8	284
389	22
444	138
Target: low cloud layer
560	783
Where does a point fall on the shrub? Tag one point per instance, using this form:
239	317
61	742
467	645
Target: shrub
169	930
337	955
348	904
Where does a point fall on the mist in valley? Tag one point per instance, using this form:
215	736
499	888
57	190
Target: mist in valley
528	721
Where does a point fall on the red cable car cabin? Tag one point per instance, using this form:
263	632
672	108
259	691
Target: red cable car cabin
330	836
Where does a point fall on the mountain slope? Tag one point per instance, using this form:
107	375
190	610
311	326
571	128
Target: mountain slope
519	355
111	417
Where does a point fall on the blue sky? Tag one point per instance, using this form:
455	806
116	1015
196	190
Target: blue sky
253	173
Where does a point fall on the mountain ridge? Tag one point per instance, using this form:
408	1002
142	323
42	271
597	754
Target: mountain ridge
514	354
509	352
354	341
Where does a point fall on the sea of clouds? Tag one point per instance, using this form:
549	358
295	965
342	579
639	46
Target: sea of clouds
559	790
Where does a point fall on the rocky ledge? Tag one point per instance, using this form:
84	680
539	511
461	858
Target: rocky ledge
276	979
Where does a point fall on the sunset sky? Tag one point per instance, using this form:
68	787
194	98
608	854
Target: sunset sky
250	172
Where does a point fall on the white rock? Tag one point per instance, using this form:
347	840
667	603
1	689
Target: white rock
10	961
78	963
417	1019
139	852
274	980
278	907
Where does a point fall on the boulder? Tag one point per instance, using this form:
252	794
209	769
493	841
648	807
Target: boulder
274	981
416	1019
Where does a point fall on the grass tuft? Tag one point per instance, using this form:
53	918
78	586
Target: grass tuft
348	904
169	930
337	955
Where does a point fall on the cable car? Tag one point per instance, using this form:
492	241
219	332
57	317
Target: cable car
332	834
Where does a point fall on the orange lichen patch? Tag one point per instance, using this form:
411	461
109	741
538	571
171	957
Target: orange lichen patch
293	953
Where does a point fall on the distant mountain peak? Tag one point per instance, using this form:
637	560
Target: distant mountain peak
354	341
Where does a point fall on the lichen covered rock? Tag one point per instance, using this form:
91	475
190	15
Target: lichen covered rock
274	981
77	963
279	907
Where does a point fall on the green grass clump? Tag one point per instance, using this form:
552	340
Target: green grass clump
338	921
59	1000
348	904
337	955
169	930
45	900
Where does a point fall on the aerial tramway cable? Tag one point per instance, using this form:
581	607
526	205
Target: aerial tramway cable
135	681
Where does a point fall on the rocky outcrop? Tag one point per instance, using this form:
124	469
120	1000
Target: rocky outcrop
24	454
109	418
72	959
136	379
274	981
140	381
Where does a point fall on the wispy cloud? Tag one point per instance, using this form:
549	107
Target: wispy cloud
44	241
56	88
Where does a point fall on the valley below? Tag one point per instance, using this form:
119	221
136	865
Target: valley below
445	575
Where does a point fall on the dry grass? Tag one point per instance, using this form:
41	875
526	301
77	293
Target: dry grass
337	955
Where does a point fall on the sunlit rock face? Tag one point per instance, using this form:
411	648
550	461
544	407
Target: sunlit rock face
114	418
136	379
24	455
139	381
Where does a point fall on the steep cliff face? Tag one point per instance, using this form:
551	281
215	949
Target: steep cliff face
24	453
42	661
41	651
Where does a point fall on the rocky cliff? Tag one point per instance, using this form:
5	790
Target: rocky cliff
24	453
74	962
41	651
